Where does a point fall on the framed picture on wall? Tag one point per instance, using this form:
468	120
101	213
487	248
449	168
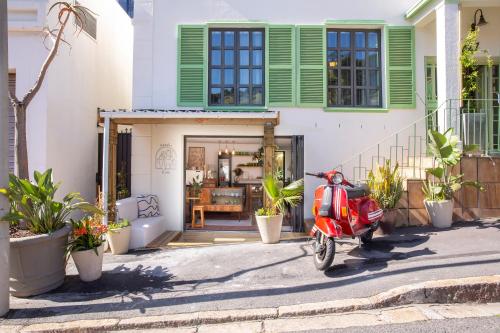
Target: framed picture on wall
196	158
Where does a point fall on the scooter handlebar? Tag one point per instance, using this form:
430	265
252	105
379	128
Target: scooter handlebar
318	175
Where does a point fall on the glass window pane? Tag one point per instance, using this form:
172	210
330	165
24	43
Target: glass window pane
216	76
373	78
216	58
333	96
228	77
229	39
333	77
373	60
257	95
360	97
345	58
216	38
244	38
332	39
257	58
345	39
244	96
228	58
332	59
345	97
244	77
360	59
228	95
373	40
257	39
373	97
257	76
345	77
244	58
360	39
360	77
215	96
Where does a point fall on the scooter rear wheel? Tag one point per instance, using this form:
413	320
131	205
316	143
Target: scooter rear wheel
324	251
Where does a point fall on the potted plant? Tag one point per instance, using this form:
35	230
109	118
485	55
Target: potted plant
118	236
270	219
37	261
441	184
87	246
386	187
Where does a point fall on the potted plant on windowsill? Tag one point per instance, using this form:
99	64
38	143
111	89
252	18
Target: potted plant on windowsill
87	246
37	261
441	184
386	187
270	219
118	236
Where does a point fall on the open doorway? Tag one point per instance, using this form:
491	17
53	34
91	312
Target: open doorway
223	181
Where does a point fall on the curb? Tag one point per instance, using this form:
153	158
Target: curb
475	289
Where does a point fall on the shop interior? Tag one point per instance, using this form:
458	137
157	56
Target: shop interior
223	181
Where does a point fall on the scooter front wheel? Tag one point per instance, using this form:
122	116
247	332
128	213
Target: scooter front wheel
324	251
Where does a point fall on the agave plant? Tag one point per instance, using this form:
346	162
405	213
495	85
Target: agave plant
386	185
34	203
281	197
440	184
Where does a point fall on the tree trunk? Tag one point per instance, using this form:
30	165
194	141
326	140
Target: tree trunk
22	143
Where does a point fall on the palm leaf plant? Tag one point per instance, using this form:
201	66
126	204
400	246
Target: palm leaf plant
386	185
281	197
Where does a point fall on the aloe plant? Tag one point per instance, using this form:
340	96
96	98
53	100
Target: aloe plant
281	197
386	185
34	203
441	184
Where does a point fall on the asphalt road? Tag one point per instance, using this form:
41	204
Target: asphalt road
258	275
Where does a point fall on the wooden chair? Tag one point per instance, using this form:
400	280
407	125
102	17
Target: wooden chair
201	210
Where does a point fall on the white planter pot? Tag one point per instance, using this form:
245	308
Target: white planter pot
270	228
88	263
4	272
440	213
119	240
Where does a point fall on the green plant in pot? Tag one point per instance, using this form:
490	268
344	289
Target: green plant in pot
386	187
270	219
37	261
441	184
118	236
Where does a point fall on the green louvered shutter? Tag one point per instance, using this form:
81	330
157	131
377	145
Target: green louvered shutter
191	65
401	67
311	66
281	65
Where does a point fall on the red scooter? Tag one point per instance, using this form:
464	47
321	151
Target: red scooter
341	210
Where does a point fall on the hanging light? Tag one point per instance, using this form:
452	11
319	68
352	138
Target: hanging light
220	151
481	21
234	151
226	150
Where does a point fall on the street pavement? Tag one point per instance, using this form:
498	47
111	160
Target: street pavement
255	275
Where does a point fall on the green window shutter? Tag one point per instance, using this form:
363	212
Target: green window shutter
281	65
191	68
311	66
401	67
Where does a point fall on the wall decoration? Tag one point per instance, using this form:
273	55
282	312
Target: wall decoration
279	164
196	158
165	158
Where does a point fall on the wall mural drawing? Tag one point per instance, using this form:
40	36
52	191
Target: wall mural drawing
165	158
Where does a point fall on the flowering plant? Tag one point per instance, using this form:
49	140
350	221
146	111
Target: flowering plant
87	234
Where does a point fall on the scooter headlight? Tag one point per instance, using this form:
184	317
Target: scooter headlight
338	178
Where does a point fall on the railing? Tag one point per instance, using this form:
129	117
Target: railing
475	121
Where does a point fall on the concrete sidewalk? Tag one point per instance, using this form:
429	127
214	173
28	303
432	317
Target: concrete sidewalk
256	275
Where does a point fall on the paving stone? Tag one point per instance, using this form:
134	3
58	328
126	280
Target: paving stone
10	328
242	327
464	311
209	317
163	330
309	309
74	326
402	315
172	320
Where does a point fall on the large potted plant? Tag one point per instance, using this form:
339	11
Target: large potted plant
87	246
118	236
37	260
270	219
386	187
441	183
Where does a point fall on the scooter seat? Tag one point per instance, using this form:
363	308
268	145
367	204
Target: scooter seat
358	191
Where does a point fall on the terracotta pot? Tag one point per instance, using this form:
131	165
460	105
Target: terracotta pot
37	263
389	221
440	213
119	240
88	263
270	228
